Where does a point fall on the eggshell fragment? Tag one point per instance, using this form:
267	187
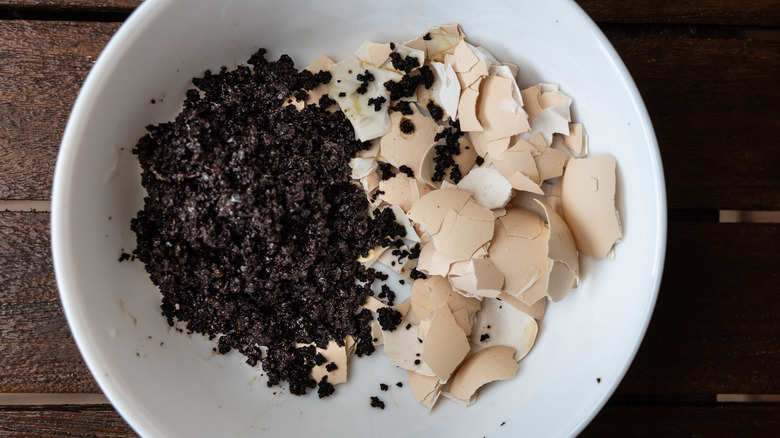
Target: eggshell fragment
531	103
430	209
488	187
401	219
402	149
397	191
497	110
522	261
426	389
488	365
467	108
403	348
520	222
375	54
432	262
484	147
481	279
554	118
550	163
577	140
536	311
373	304
461	235
505	325
370	182
372	256
441	292
523	162
445	345
445	91
588	198
334	353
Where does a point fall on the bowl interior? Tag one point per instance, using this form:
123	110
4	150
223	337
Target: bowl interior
166	383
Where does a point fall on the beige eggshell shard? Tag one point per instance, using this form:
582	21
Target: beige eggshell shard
551	120
481	279
577	140
467	108
536	311
484	147
560	246
367	122
428	167
398	190
445	91
349	345
432	262
497	110
426	389
430	209
523	162
507	72
362	166
461	235
419	299
553	198
377	338
487	365
402	347
519	222
505	325
550	163
375	54
401	149
371	152
588	198
531	103
522	261
441	292
445	345
370	182
336	354
517	180
488	187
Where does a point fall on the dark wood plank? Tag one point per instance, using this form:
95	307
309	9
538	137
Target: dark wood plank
725	12
686	421
43	66
715	328
713	106
37	352
64	421
613	421
72	5
711	101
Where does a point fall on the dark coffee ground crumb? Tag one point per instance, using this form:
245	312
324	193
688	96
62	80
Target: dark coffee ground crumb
387	294
480	160
319	359
436	112
324	388
399	384
376	403
251	227
331	367
403	107
484	337
414	274
407	170
389	318
407	127
383	387
427	36
387	171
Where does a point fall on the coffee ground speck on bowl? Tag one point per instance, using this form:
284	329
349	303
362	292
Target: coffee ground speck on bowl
251	228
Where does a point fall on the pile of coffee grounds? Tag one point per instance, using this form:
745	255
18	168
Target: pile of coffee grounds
251	228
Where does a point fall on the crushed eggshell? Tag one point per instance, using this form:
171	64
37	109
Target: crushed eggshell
536	311
487	365
499	113
426	389
501	324
488	187
522	261
577	140
401	148
550	163
588	200
463	233
430	209
333	353
445	344
481	279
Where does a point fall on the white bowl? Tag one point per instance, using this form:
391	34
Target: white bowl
166	383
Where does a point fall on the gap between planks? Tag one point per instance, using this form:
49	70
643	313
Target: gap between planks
43	399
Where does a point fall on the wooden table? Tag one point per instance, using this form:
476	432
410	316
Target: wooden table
708	71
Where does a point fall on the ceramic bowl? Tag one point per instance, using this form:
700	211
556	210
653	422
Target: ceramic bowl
166	383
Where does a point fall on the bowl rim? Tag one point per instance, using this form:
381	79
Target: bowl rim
129	408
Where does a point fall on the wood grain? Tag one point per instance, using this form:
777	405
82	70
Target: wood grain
714	329
612	421
37	352
722	12
686	421
42	68
65	421
711	101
